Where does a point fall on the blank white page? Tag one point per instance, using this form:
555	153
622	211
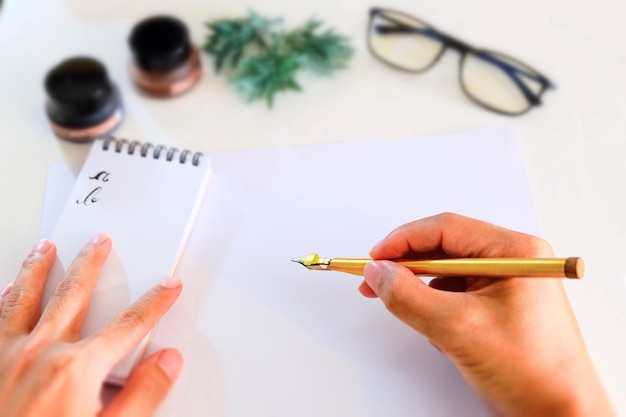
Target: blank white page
271	338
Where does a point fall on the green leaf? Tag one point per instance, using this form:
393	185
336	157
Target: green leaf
265	61
320	52
263	76
229	38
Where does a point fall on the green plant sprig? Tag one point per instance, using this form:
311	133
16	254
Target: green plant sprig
321	52
264	61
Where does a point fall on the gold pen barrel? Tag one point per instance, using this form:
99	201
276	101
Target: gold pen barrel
349	265
483	267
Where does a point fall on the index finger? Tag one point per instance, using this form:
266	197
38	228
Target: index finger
121	336
452	235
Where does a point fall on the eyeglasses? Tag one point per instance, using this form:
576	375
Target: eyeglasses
493	80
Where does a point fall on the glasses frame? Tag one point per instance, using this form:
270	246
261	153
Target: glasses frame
464	49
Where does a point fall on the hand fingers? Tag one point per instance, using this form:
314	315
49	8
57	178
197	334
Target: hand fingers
124	333
67	307
452	235
147	385
21	304
366	291
409	298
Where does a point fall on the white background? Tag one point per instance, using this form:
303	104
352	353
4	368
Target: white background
574	146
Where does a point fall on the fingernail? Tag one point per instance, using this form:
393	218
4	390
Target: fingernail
172	282
171	362
372	273
42	246
99	239
5	291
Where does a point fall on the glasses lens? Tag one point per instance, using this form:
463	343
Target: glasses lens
403	41
500	82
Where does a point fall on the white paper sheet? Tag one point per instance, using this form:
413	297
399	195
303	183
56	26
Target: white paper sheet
263	336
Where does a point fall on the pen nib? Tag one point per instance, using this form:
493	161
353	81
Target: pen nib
312	261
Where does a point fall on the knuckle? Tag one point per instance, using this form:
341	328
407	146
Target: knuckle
70	287
132	318
64	359
57	311
447	217
533	246
20	307
19	357
31	349
32	264
19	297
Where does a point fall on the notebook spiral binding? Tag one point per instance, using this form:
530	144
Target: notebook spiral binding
146	148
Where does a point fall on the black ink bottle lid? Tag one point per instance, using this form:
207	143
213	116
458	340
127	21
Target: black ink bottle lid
165	63
82	103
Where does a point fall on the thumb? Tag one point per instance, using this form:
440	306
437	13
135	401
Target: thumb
147	385
406	296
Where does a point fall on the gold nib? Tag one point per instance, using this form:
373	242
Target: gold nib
313	261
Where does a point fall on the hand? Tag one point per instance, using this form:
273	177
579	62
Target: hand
46	369
515	341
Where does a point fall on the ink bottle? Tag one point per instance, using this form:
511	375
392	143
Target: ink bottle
83	103
165	63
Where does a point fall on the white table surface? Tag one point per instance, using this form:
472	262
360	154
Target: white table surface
574	146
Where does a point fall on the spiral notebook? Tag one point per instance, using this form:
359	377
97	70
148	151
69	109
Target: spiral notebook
146	198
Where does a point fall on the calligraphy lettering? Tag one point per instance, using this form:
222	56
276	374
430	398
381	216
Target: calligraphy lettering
101	176
91	197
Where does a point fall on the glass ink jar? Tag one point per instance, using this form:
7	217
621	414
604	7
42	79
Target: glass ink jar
165	63
83	103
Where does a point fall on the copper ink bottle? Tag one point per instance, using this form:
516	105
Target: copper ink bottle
83	103
165	63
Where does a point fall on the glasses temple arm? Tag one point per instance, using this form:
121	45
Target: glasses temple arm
402	28
515	72
407	30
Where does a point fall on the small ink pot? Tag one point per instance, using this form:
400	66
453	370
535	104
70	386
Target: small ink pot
165	63
83	103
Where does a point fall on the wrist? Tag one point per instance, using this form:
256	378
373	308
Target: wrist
582	396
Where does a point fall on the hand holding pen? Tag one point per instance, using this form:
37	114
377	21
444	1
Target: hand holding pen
515	341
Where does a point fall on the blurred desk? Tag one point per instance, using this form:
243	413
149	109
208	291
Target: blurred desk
574	146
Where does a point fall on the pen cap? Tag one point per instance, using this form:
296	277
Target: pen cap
160	44
80	93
